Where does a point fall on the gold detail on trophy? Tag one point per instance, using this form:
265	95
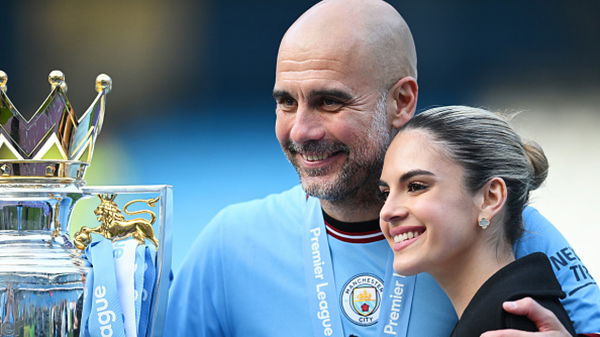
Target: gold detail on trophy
50	170
57	78
5	169
3	80
103	83
113	224
52	136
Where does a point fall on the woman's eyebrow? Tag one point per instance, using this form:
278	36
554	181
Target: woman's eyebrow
413	173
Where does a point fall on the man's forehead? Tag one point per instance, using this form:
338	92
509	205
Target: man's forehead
341	49
317	76
311	65
323	63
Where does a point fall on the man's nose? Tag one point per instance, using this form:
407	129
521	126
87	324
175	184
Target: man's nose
308	125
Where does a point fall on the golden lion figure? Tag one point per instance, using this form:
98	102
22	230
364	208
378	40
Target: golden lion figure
113	224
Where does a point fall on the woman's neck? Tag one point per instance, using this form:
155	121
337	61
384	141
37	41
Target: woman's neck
461	279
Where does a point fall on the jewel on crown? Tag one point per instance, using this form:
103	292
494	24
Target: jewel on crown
53	144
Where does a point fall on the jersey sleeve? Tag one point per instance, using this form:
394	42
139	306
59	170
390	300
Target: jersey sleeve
196	298
582	300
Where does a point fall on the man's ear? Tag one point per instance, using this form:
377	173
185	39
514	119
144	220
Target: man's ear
493	198
404	94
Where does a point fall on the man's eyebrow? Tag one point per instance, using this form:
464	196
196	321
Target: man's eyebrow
280	94
382	183
413	173
331	93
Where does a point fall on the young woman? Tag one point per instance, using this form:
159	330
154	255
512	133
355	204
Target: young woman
456	180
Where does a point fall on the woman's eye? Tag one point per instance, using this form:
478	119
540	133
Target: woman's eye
415	187
383	195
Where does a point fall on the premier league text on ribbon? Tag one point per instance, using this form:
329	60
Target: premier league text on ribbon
394	316
105	316
323	313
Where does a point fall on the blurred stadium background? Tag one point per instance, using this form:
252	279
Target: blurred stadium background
191	103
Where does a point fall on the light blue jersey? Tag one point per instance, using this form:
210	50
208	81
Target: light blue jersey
247	275
582	300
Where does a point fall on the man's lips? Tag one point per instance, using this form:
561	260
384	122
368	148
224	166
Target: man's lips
313	160
315	157
315	152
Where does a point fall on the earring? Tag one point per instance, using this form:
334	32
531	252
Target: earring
484	223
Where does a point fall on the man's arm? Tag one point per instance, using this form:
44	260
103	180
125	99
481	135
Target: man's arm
582	301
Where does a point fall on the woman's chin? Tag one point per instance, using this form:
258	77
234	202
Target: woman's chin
406	269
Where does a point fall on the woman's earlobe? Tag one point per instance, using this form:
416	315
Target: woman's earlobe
494	197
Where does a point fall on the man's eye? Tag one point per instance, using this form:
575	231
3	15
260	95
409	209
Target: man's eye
330	104
415	187
286	103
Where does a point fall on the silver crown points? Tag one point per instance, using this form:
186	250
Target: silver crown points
52	143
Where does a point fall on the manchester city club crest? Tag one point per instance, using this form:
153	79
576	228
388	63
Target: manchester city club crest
361	299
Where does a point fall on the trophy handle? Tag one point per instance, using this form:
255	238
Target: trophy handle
159	223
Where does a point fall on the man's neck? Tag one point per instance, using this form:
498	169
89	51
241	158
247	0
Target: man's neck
352	210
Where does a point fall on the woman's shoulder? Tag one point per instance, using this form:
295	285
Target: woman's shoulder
529	276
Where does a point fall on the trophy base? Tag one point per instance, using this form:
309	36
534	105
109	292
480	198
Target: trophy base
41	286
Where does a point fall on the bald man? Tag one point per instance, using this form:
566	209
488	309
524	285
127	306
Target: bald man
312	261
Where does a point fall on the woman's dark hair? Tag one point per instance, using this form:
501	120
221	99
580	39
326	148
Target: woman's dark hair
486	146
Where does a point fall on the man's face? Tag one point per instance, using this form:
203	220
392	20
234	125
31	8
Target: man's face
331	122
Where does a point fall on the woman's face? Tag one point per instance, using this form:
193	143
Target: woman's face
429	218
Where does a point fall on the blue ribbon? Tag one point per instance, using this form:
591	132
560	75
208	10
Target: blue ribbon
149	278
124	261
87	291
104	293
325	311
102	310
138	283
396	302
326	320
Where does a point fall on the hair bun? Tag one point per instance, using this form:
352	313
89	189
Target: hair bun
538	162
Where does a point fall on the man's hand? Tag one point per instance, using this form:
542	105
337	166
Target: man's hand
547	323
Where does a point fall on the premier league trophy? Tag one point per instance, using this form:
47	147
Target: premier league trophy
113	278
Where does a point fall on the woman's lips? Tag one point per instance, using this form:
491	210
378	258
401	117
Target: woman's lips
404	236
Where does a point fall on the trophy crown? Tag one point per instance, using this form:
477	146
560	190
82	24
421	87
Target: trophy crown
53	144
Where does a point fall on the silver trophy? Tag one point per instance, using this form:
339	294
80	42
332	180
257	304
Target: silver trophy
43	273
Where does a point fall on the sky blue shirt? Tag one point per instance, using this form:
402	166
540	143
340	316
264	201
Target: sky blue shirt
245	276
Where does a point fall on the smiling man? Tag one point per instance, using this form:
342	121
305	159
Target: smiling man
340	90
312	261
